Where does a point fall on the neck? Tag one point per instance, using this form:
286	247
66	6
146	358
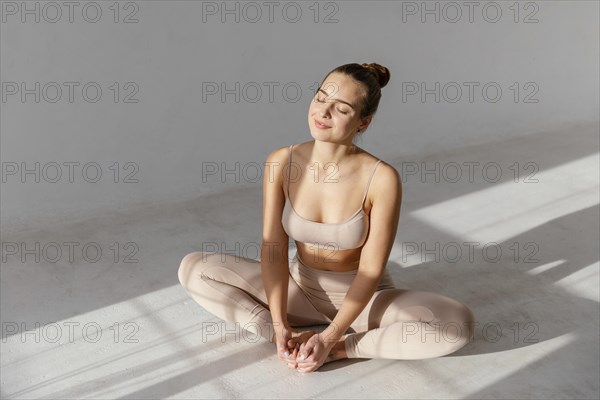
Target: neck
327	152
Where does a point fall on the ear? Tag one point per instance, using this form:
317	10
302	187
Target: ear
364	123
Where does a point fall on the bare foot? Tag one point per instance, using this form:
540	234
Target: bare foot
304	335
296	333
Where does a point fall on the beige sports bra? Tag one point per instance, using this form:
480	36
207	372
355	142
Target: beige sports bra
350	234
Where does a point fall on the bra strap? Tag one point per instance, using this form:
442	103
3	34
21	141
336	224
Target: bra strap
369	183
289	171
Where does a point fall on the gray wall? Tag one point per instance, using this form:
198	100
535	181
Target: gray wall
170	134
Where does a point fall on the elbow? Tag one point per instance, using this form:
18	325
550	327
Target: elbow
273	251
373	273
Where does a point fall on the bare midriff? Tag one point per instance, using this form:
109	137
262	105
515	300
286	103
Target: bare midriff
328	259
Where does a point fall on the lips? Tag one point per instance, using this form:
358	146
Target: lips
321	125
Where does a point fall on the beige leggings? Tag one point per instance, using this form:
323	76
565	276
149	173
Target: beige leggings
395	324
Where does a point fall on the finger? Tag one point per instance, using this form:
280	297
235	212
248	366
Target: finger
302	359
287	355
291	361
305	369
291	356
306	351
305	348
311	366
292	343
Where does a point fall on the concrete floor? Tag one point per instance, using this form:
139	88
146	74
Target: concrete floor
129	330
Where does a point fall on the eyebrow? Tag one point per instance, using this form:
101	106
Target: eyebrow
341	101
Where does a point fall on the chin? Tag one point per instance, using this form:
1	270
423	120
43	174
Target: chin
316	136
319	134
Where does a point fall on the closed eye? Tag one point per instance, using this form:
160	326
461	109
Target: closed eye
322	101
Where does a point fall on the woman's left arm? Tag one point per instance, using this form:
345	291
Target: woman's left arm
384	219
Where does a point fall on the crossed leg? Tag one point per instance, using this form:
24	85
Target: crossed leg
409	325
231	288
395	324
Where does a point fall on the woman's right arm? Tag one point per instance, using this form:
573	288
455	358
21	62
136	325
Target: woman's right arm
274	247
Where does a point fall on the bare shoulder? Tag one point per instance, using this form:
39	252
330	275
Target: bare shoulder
386	183
274	168
278	157
385	174
279	154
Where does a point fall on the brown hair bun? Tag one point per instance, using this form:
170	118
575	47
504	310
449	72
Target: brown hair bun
381	72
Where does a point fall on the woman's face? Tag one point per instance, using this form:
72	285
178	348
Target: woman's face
337	105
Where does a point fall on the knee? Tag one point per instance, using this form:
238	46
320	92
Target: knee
458	316
460	331
467	321
187	266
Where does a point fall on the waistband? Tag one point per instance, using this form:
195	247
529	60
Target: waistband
309	278
353	272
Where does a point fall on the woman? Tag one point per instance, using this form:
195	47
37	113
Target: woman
338	275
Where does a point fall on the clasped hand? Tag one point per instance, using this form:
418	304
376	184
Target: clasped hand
306	352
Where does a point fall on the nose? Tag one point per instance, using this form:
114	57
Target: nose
324	110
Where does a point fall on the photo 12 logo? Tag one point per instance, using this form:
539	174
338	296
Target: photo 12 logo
453	12
454	92
70	332
69	92
68	172
252	12
53	12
